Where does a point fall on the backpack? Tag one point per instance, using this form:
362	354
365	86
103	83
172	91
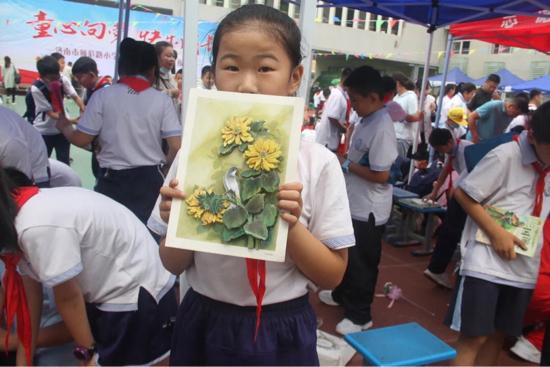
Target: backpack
30	113
475	152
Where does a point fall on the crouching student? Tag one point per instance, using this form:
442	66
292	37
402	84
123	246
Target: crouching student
450	231
109	285
496	283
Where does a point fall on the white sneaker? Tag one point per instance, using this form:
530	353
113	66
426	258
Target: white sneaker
346	326
326	298
525	350
441	279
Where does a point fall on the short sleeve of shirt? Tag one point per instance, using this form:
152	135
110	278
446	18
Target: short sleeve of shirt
383	151
155	222
170	125
68	88
411	106
476	184
91	121
397	113
336	106
53	253
330	220
484	110
40	101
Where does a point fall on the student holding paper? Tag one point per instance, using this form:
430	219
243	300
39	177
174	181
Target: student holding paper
496	283
256	49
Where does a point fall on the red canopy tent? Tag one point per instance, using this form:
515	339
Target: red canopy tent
516	31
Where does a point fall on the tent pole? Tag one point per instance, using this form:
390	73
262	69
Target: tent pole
444	80
420	124
118	35
191	38
127	18
308	10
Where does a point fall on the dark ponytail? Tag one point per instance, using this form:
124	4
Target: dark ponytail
137	58
8	211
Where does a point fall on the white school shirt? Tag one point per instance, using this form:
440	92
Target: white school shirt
36	151
70	232
445	107
14	151
42	122
409	102
325	213
68	89
457	101
519	120
457	153
503	178
373	140
130	126
335	107
62	175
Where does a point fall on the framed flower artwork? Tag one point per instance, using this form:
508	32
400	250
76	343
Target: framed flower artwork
236	150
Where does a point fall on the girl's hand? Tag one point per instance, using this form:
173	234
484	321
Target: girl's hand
290	202
167	193
505	244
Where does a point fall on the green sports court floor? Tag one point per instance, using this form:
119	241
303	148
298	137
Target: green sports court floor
81	158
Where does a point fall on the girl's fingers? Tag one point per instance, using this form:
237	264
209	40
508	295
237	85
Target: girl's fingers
289	195
289	218
171	193
289	205
297	186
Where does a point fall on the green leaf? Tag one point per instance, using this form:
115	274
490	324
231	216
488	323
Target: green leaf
257	229
256	204
257	127
269	215
218	228
235	217
250	187
202	228
211	202
250	173
243	147
270	181
232	234
225	150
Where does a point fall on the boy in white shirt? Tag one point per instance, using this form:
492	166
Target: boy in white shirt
68	88
371	154
335	116
497	283
408	100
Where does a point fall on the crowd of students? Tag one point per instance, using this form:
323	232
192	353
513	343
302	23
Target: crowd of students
100	257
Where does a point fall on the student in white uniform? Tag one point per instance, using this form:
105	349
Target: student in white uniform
451	229
68	89
23	148
408	100
130	119
372	151
257	50
496	283
335	116
109	285
449	93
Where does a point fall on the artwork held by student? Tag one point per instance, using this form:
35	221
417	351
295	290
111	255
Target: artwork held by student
237	149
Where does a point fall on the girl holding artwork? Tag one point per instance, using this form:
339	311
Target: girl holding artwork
256	49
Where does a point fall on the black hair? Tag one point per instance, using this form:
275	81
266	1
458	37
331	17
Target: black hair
160	46
84	65
493	78
403	80
10	179
534	93
47	66
521	100
345	73
326	92
388	84
418	85
137	58
205	70
365	80
180	71
450	87
7	61
539	123
466	87
57	56
271	20
440	137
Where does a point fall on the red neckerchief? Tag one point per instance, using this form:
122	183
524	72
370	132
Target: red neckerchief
539	186
15	304
56	95
135	83
256	272
450	169
102	82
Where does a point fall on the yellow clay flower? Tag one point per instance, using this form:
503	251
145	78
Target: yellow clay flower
200	205
237	131
263	155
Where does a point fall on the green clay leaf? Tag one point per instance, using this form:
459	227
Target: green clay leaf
256	229
232	234
225	150
218	228
250	173
235	217
243	147
250	187
202	228
256	204
270	181
257	127
211	202
269	215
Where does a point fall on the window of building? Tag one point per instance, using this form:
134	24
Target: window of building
372	22
284	7
491	67
539	69
460	63
326	13
338	16
384	24
461	47
270	3
500	49
362	20
350	18
394	26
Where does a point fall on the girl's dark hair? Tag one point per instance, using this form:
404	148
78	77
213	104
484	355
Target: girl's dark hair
403	80
466	87
161	45
539	123
450	87
57	56
137	58
8	209
280	25
7	61
388	84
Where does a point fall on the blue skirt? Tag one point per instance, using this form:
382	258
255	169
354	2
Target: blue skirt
209	332
139	337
